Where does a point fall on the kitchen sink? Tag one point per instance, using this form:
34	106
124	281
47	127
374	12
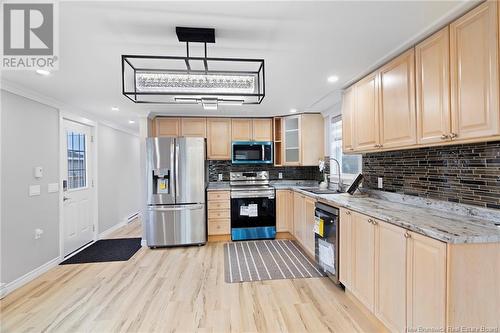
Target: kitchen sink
319	191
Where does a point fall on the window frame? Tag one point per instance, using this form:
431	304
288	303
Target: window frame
85	160
336	143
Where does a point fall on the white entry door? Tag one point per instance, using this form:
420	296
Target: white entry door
78	189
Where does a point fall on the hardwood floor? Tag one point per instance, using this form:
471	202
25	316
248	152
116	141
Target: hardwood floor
178	289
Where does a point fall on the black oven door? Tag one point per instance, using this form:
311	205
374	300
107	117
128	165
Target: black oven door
253	218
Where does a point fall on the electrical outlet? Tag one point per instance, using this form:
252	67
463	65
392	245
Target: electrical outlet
38	233
280	175
380	182
219	177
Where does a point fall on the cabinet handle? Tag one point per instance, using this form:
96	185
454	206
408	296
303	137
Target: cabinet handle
453	135
444	136
370	221
374	222
407	235
376	146
347	213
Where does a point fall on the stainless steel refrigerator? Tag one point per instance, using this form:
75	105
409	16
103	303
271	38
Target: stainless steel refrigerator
176	191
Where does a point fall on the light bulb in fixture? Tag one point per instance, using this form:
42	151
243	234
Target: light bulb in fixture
333	78
131	122
115	108
43	72
293	110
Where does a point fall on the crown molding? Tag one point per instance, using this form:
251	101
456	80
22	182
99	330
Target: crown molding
63	108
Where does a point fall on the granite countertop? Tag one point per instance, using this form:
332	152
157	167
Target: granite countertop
448	222
438	224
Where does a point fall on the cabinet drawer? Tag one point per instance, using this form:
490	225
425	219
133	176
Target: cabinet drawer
219	226
218	195
218	204
219	214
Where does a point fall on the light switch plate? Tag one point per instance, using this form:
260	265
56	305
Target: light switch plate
34	190
53	187
280	175
38	172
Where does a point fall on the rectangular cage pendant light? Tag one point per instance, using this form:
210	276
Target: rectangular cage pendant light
193	80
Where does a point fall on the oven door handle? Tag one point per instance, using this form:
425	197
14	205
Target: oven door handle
249	195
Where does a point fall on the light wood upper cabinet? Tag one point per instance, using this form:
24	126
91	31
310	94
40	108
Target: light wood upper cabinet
474	73
397	102
390	276
347	113
194	127
262	129
252	129
365	120
241	129
284	211
309	238
433	88
346	248
312	139
426	287
167	126
363	286
219	138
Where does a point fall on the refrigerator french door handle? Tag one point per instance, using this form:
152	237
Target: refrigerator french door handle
174	208
176	169
172	170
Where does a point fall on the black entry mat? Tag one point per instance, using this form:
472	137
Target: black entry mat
120	249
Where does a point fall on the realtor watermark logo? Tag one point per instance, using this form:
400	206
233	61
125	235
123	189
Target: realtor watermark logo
30	32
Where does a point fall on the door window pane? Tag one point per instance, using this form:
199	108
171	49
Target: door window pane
77	160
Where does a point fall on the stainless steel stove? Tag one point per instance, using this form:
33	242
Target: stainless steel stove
253	206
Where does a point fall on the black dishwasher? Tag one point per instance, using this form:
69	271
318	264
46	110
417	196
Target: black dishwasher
326	234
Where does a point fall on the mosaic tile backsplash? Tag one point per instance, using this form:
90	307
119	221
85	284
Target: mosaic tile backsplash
296	173
468	173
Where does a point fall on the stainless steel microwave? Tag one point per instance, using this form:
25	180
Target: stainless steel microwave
252	152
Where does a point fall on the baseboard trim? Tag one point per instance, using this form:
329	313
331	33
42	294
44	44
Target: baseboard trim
109	231
7	288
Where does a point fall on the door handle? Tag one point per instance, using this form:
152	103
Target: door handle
176	169
65	198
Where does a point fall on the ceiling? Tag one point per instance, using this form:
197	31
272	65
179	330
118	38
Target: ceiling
302	43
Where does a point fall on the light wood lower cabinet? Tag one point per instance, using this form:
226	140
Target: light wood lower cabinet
363	273
219	213
426	284
390	275
298	216
309	238
284	211
413	282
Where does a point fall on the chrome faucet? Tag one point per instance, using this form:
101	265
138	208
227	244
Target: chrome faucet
339	183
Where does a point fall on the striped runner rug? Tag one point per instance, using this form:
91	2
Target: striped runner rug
267	260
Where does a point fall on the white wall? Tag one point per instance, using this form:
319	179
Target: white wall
118	175
29	138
